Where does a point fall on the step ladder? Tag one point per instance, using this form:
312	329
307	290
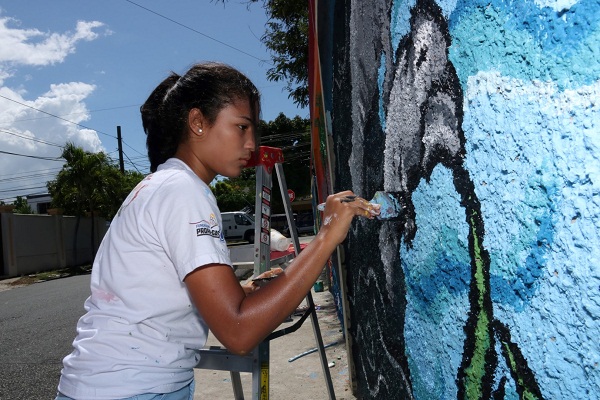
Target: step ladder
266	161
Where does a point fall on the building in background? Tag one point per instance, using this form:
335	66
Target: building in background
39	203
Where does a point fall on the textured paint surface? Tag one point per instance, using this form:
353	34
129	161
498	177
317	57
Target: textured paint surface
483	118
389	207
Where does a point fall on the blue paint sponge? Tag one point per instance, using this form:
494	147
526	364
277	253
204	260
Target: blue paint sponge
390	206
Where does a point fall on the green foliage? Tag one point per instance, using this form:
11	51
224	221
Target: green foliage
90	182
287	37
117	187
293	137
234	194
21	206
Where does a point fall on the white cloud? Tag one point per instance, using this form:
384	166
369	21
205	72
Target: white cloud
30	127
65	100
34	47
26	131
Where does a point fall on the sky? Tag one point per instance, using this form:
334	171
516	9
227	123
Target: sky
75	70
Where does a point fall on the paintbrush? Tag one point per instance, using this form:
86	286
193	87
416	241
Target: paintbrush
390	206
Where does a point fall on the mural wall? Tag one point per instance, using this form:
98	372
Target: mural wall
483	120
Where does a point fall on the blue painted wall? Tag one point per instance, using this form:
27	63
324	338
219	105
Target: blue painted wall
483	118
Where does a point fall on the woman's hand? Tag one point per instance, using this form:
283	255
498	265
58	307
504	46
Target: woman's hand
340	209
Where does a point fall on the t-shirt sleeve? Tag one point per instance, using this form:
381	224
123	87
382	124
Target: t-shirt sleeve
189	227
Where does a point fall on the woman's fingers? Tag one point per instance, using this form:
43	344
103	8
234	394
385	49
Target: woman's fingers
273	272
358	205
370	210
260	280
364	207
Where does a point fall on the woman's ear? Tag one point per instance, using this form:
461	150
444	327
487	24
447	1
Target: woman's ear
196	122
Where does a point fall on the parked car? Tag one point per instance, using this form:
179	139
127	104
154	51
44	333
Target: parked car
305	223
279	223
238	225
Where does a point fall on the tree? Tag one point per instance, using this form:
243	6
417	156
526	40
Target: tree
90	183
236	194
293	137
21	206
77	186
287	37
117	186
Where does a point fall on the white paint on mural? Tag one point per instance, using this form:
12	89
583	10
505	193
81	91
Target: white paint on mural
556	5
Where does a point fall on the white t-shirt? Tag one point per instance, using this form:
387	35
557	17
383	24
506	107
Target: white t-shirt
141	329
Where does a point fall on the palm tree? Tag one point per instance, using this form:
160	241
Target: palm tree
78	187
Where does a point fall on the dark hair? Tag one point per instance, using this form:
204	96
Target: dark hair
208	87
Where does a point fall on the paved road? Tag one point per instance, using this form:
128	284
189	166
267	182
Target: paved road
37	326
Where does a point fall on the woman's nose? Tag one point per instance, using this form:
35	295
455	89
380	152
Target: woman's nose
250	142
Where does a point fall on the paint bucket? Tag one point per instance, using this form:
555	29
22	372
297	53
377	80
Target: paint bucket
278	241
318	286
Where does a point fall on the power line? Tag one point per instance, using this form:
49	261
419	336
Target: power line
56	116
18	189
134	166
27	180
89	111
37	157
198	32
28	177
31	172
139	164
284	136
140	158
31	138
13	198
137	151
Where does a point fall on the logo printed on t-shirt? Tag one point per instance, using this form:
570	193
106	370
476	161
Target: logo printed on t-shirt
208	228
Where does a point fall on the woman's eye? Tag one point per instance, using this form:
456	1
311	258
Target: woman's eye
243	127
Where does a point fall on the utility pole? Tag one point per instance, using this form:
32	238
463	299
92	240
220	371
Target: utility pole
121	164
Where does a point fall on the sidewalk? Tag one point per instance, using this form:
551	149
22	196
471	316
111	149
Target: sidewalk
299	379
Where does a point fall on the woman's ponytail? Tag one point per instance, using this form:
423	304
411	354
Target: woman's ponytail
160	142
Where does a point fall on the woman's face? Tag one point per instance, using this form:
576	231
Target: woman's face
224	147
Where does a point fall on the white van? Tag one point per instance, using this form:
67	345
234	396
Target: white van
238	225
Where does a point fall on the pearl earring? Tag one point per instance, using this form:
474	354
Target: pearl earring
199	130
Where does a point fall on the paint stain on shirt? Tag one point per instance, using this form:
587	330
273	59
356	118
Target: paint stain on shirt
104	296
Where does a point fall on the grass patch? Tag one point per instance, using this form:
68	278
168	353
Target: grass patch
24	280
54	274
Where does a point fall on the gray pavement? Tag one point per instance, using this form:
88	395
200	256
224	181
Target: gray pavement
37	327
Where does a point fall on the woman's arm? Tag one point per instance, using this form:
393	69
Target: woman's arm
241	321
